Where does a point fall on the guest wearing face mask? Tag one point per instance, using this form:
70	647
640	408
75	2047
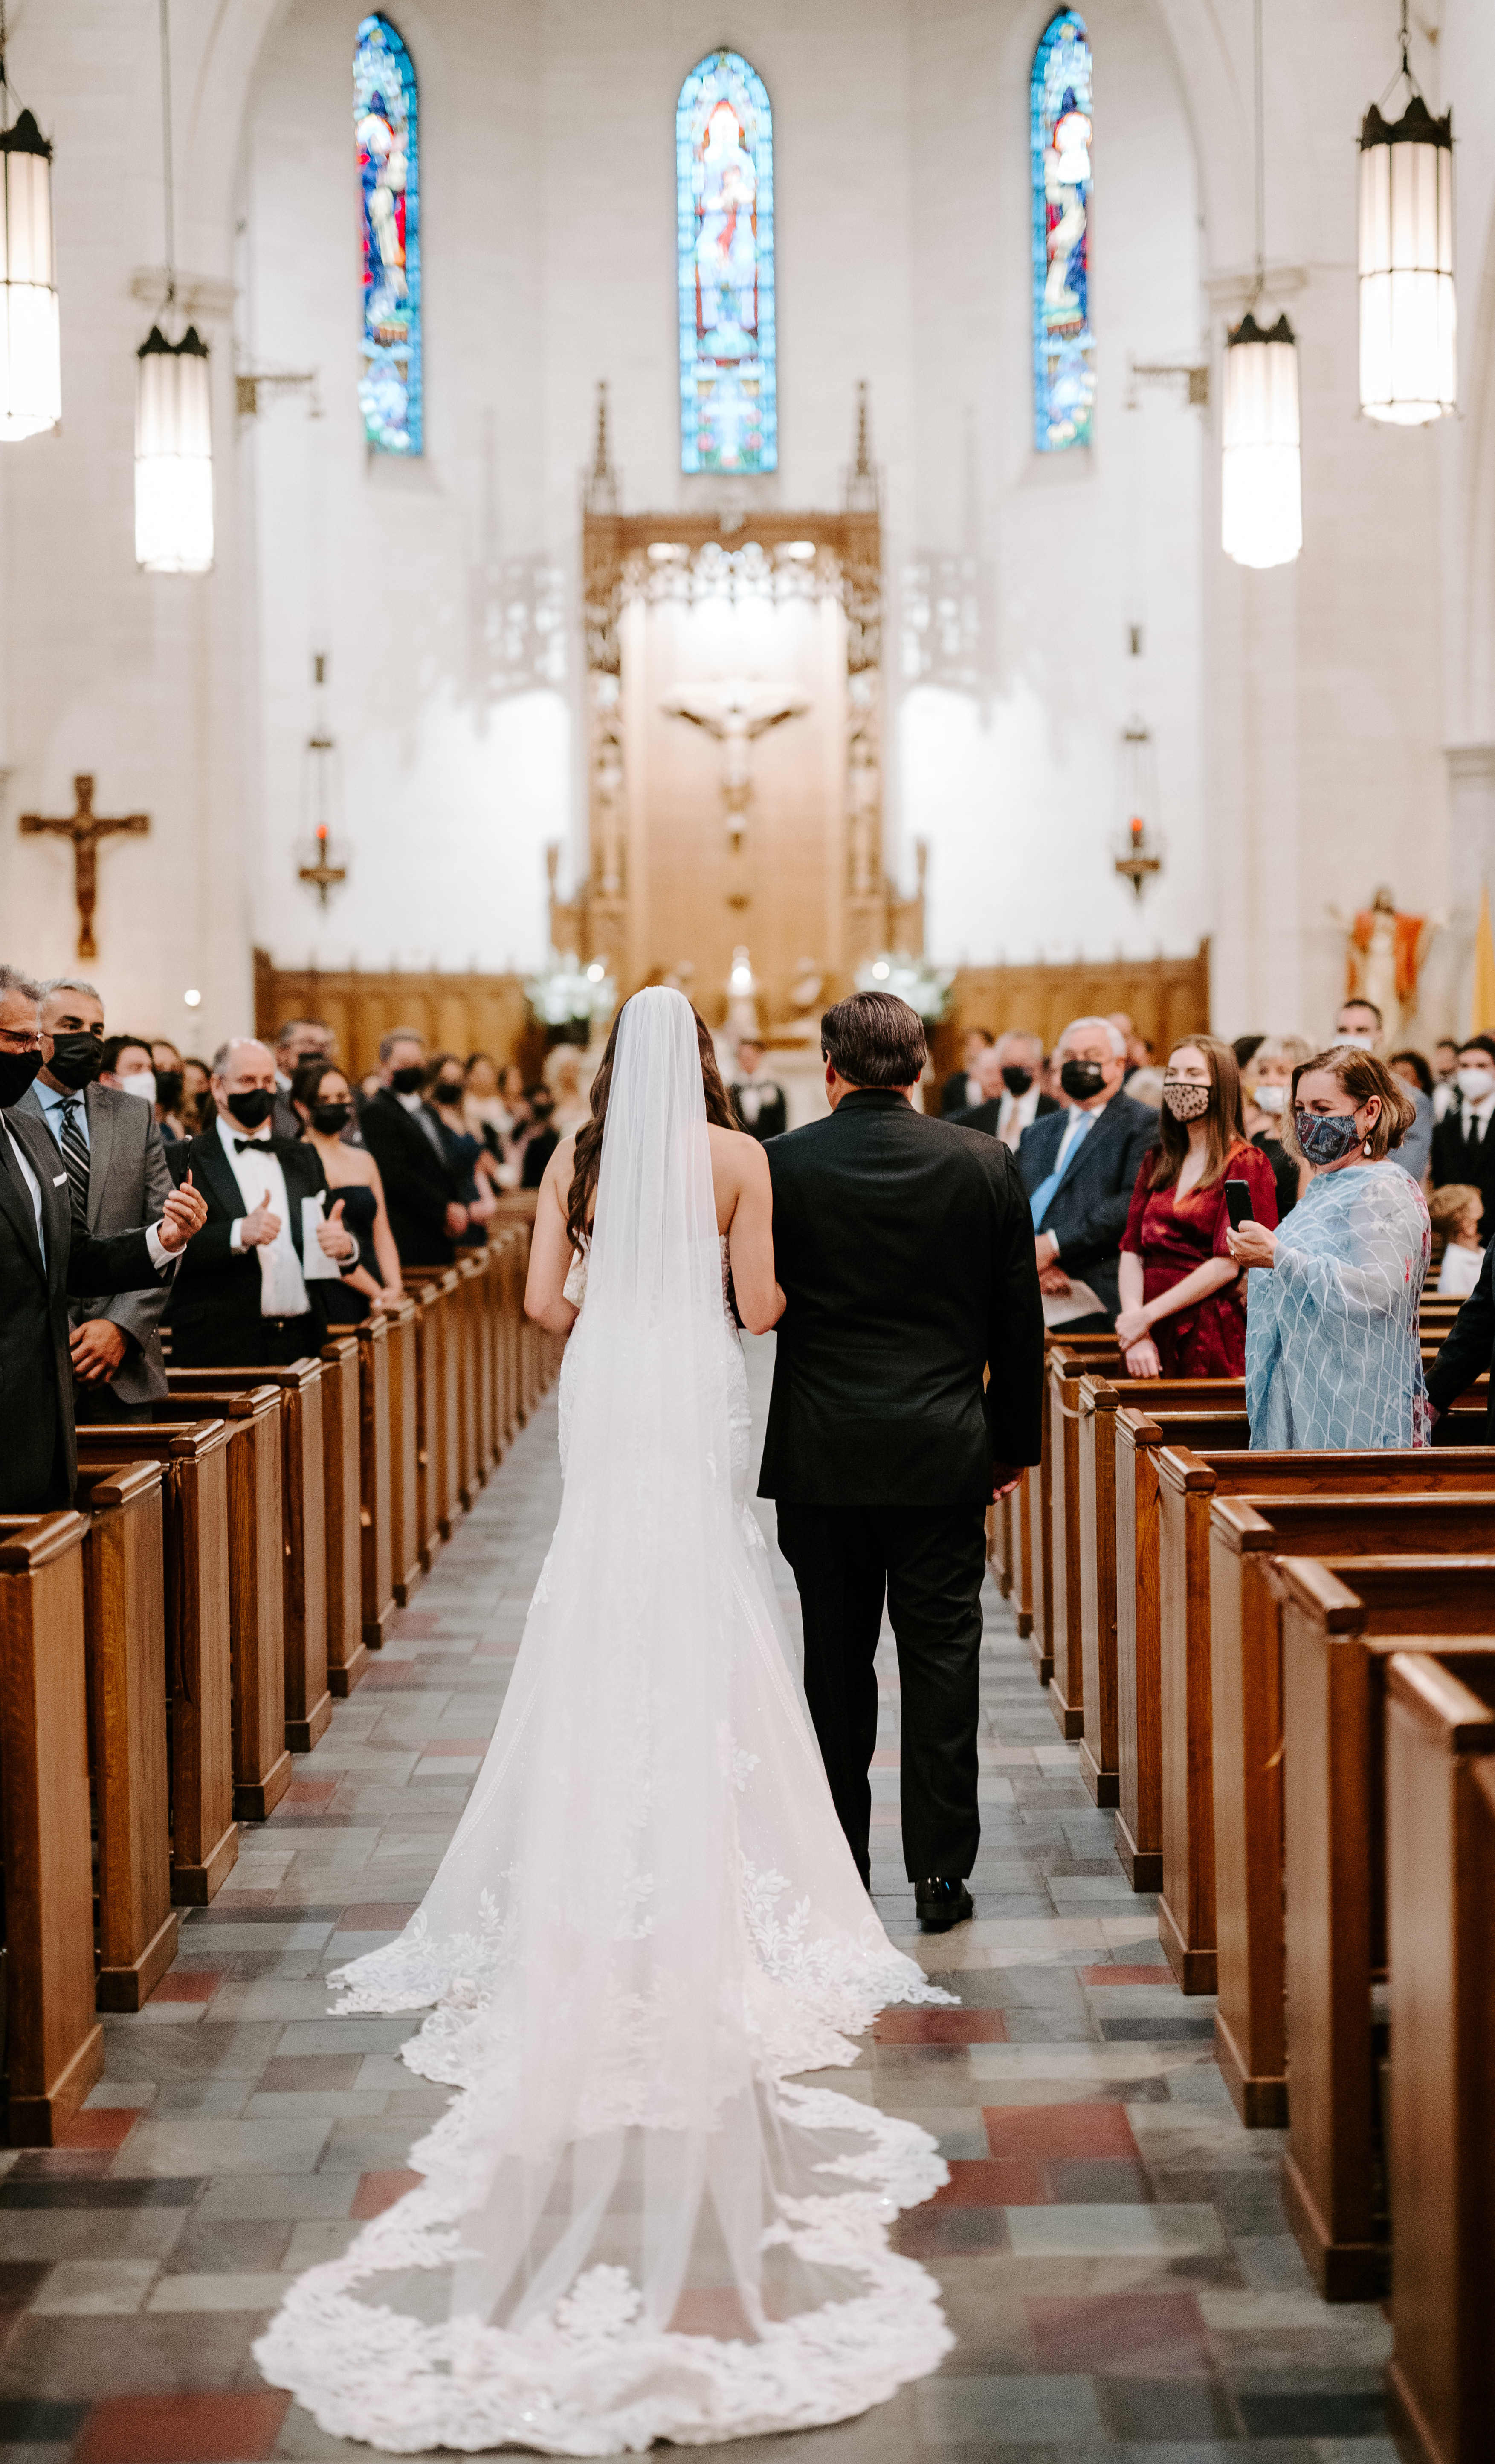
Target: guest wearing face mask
170	1086
118	1178
127	1063
1464	1142
1266	1081
1331	1357
300	1039
1360	1025
1182	1295
275	1237
197	1103
1080	1167
404	1136
1008	1073
323	1102
466	1151
1445	1069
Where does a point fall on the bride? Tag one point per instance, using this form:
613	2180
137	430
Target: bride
634	2223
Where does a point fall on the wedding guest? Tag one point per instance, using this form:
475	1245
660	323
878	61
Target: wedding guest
757	1099
300	1039
1360	1025
1458	1212
1146	1087
961	1090
1332	1358
1469	1351
1139	1051
196	1097
404	1136
324	1104
484	1112
1012	1100
1445	1069
1464	1142
539	1141
1080	1167
1266	1081
171	1084
1245	1047
126	1062
1182	1295
1412	1070
567	1075
467	1154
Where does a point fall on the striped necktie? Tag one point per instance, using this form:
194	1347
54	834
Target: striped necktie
75	1154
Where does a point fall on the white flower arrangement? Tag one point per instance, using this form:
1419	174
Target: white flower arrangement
568	994
926	988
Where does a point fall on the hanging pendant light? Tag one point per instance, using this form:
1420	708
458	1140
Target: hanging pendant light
1408	365
173	415
31	369
1261	479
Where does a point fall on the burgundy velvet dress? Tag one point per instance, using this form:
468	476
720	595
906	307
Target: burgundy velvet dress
1173	1237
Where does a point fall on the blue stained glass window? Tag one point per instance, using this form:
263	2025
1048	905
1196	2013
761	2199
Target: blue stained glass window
724	192
1064	343
385	123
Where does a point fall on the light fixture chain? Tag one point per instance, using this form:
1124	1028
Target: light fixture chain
165	149
1258	82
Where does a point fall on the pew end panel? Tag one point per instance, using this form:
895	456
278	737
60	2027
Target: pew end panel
1097	1402
1068	1364
1246	1754
1186	1906
347	1653
412	1471
54	2046
376	1480
1441	1870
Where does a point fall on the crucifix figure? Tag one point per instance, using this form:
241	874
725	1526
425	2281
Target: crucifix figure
85	828
737	713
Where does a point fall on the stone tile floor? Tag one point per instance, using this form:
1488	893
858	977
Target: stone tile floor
1111	2246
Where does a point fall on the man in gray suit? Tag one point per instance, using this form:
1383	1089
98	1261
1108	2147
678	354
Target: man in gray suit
118	1178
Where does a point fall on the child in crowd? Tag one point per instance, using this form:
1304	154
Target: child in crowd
1456	1211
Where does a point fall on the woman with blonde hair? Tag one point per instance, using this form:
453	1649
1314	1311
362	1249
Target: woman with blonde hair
1265	1084
1331	1325
1182	1305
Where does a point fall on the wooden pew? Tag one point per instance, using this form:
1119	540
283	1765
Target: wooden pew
1091	1570
1440	1741
256	1591
124	1633
347	1653
1336	1644
53	2046
194	1460
1059	1658
303	1567
473	1463
482	1286
376	1480
439	1333
409	1555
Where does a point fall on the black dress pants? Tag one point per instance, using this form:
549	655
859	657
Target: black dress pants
929	1561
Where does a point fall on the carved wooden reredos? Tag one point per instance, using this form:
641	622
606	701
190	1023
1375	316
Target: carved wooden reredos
763	823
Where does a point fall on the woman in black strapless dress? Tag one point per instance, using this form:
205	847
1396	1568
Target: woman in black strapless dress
321	1096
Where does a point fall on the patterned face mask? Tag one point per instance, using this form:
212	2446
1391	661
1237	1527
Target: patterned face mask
1327	1138
1186	1101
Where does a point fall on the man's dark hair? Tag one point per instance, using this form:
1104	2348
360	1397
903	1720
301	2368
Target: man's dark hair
114	1044
1357	1001
874	1039
1479	1044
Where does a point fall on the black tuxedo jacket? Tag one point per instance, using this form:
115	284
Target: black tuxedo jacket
773	1114
38	1456
1454	1158
420	1184
986	1116
1088	1212
1468	1350
905	1249
214	1307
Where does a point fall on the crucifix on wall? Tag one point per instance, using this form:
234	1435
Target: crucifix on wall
85	828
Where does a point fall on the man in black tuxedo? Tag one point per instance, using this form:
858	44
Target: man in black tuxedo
905	1250
299	1039
1463	1141
1007	1074
1078	1167
758	1100
45	1253
1469	1349
402	1134
250	1295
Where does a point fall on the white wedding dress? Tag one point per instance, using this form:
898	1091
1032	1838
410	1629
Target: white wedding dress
632	2224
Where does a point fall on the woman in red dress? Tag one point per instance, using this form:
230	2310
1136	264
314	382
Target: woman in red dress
1183	1299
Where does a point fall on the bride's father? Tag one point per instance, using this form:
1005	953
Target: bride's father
905	1247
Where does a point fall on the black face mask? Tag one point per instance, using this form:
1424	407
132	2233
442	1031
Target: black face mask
407	1082
1017	1081
331	1119
252	1108
449	1090
18	1070
1081	1079
170	1084
76	1059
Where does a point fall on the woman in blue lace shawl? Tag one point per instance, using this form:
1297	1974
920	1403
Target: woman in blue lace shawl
1331	1355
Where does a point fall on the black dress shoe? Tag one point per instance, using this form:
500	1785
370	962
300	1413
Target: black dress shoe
941	1903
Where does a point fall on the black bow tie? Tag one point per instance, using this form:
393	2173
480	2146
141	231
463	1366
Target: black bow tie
250	1146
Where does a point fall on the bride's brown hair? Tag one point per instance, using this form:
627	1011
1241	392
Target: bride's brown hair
587	1161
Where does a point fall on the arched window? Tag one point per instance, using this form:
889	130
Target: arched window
386	126
1064	345
724	192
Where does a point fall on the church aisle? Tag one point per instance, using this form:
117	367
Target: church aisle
1111	2246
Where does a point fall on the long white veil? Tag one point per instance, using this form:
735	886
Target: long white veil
632	2224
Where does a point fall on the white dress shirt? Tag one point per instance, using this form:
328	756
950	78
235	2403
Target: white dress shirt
1476	1117
160	1256
1018	1113
282	1286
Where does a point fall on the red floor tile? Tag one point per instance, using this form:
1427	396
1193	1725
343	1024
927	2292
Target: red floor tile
918	2026
1039	2132
189	1984
109	2125
1159	1975
1121	2335
377	2191
309	1791
183	2428
377	1916
981	2182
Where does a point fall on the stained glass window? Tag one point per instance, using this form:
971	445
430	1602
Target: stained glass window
724	192
1064	345
385	125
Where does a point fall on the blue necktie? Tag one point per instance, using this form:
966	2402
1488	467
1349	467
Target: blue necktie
1043	1195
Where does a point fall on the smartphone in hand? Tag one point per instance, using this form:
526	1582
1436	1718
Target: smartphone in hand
1238	1203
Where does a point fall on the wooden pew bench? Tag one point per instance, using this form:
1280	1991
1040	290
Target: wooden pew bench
1439	1748
347	1653
1066	1365
1035	1496
196	1551
410	1457
54	2044
376	1480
